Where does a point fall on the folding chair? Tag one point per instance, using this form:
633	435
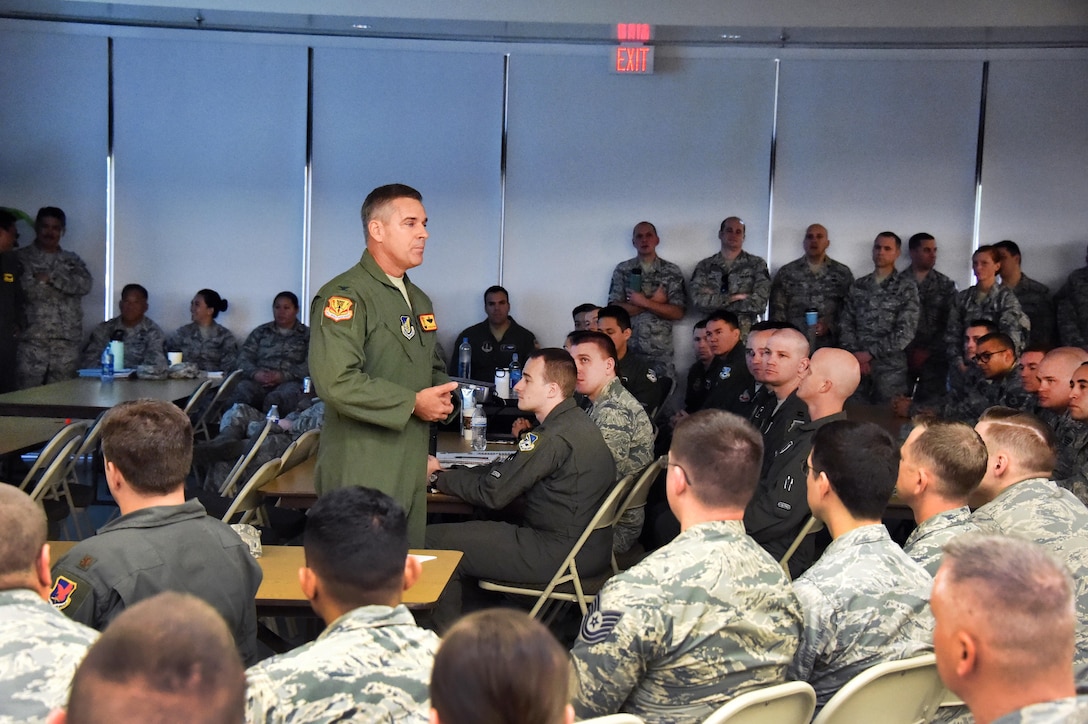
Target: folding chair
196	397
666	386
895	692
300	450
614	719
75	431
637	496
235	475
573	588
50	489
214	409
811	526
249	499
790	703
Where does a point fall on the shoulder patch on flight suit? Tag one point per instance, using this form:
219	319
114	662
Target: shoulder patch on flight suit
724	374
651	375
64	590
339	309
9	277
427	323
597	624
527	443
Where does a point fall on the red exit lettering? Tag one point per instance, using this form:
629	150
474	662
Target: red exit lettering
631	60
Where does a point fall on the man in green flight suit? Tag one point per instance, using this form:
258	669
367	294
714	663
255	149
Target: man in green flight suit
375	362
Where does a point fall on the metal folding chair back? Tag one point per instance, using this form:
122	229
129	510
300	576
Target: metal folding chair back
638	493
75	432
235	475
790	703
249	498
214	409
907	691
300	450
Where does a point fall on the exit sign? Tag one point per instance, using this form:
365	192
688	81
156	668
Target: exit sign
633	56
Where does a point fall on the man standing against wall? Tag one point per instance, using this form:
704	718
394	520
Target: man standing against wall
927	361
732	279
1034	296
375	362
815	281
652	291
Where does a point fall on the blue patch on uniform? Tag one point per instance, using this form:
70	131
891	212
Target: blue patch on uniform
598	625
528	442
724	374
651	375
61	595
406	327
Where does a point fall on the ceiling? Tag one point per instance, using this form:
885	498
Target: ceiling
794	23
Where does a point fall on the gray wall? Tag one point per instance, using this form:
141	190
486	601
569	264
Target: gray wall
209	183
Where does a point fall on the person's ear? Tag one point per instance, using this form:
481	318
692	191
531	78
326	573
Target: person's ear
966	654
413	569
42	571
307	580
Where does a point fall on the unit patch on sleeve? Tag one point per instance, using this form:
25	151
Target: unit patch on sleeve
527	443
598	624
61	595
339	309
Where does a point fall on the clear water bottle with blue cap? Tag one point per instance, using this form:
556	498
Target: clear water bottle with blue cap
273	414
515	375
479	429
464	359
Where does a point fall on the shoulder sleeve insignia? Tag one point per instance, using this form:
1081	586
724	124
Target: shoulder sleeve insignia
651	375
9	277
724	374
427	323
527	443
598	624
339	309
745	397
62	592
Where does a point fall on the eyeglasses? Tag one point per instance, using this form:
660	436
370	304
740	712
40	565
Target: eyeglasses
806	469
984	357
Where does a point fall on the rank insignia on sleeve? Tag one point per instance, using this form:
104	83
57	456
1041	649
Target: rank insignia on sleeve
61	595
527	443
85	562
406	327
724	374
427	323
339	309
598	624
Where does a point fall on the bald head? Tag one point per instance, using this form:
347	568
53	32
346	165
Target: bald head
1054	373
833	375
24	533
787	359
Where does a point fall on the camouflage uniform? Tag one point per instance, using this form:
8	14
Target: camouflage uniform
145	344
926	542
39	651
630	438
1036	303
1071	710
880	317
702	620
267	348
1071	468
935	295
999	306
798	286
715	280
49	348
1038	510
209	348
865	603
650	334
373	664
1072	309
966	402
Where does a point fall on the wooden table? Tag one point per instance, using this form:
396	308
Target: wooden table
281	595
19	434
86	397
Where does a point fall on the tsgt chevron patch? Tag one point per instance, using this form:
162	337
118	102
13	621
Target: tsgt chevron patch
597	624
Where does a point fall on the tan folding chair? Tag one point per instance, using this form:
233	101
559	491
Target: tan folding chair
214	409
566	584
300	450
235	475
895	692
614	719
48	454
51	489
249	498
196	397
637	496
790	703
812	526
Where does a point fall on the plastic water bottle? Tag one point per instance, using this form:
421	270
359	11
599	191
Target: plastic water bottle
464	359
515	375
479	429
273	414
107	365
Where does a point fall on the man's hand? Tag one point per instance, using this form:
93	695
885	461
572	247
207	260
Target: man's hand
520	425
433	465
864	362
433	404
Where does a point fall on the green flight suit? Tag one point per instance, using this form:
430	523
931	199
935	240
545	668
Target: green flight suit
369	356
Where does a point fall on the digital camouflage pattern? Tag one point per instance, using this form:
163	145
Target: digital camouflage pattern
999	305
1037	304
880	316
702	620
966	402
209	348
926	542
1071	468
798	285
39	651
145	344
266	348
715	280
935	296
1071	710
1072	309
1039	511
650	334
373	664
865	602
630	438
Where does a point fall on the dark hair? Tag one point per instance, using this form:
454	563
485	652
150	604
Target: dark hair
583	308
496	289
168	658
51	212
616	312
989	250
990	326
213	300
151	444
724	315
559	368
955	453
290	296
701	324
918	239
774	325
735	218
1004	339
138	288
380	197
356	541
499	666
892	235
861	462
1010	246
646	223
602	340
722	453
7	219
24	526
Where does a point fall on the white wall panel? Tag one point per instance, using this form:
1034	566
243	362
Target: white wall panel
1035	167
54	116
210	160
868	145
431	120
